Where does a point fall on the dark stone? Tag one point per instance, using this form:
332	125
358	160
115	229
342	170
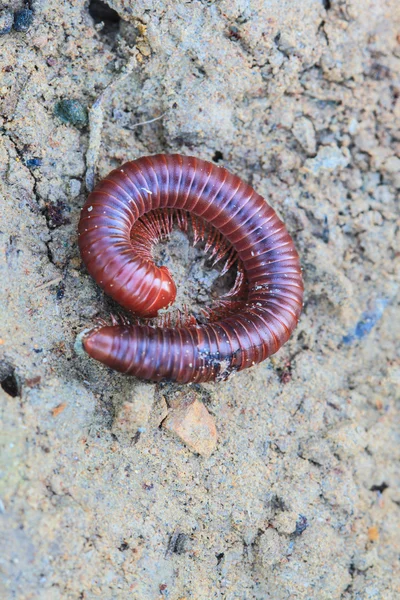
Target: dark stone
72	112
33	163
9	380
23	19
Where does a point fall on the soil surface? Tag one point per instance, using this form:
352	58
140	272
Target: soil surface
300	499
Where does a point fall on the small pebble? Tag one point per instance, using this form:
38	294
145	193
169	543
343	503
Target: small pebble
6	21
23	19
392	165
33	163
373	534
57	410
194	425
353	126
304	132
74	187
72	112
60	291
177	543
329	159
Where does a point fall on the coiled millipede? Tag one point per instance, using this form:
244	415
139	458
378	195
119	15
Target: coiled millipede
133	208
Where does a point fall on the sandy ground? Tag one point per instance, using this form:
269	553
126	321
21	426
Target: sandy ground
300	499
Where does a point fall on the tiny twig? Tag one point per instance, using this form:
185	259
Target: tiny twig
47	284
147	122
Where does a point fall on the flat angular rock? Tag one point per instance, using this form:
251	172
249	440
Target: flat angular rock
194	425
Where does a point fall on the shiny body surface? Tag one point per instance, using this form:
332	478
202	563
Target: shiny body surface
192	353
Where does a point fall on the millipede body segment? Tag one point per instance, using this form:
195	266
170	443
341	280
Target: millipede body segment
129	211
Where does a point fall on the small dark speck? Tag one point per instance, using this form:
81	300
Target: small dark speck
379	488
301	525
136	437
219	557
333	405
285	376
234	33
38	350
325	231
60	291
177	543
55	214
124	546
218	156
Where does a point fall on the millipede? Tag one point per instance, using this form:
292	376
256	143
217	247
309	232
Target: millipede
135	207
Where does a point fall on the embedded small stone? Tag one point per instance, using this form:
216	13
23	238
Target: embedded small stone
392	165
74	187
304	132
270	548
72	112
373	534
285	522
6	21
23	19
33	163
328	159
194	425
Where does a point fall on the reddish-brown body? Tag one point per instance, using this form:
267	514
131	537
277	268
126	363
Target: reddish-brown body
192	353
